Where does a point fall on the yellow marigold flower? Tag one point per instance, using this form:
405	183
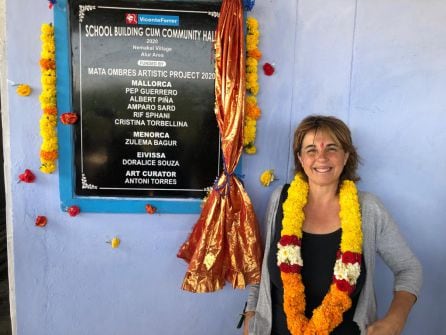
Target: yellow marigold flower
267	177
23	90
249	132
49	145
47	28
47	134
254	89
250	149
115	242
250	47
251	61
45	54
255	34
251	79
252	23
48	44
47	100
46	129
48	78
251	64
48	121
50	47
250	99
49	91
46	32
251	42
48	167
48	141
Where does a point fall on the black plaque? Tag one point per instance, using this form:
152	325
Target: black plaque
143	85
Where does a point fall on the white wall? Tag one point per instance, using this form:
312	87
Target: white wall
378	64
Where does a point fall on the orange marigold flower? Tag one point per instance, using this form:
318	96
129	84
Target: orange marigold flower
252	110
47	64
255	53
48	155
51	110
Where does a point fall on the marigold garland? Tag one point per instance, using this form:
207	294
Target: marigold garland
346	271
253	111
48	120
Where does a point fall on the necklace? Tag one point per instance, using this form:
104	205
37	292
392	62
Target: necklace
347	267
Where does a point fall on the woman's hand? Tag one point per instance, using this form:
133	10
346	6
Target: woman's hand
393	322
248	317
384	327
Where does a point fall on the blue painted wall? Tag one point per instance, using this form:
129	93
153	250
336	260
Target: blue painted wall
378	64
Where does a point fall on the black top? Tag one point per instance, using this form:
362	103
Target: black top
319	257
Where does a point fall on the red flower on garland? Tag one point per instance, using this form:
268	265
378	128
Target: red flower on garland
268	69
150	209
290	239
351	257
290	268
41	221
73	210
69	118
27	176
344	285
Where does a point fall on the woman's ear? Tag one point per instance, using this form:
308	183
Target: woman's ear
347	155
299	158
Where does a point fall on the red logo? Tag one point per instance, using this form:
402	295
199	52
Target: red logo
131	18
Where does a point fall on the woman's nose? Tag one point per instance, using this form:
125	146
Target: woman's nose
321	155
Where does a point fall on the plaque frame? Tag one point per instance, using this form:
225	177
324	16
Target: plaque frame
66	159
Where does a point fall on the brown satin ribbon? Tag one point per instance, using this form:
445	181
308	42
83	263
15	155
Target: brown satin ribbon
225	244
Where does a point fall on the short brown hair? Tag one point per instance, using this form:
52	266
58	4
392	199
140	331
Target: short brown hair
340	133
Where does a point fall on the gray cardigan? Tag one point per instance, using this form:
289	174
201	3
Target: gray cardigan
380	235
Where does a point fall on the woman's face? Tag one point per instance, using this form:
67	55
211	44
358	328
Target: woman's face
322	158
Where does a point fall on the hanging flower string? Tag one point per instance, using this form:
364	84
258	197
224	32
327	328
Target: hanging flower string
48	121
253	111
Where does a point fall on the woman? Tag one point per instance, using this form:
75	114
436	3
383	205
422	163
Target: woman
322	238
